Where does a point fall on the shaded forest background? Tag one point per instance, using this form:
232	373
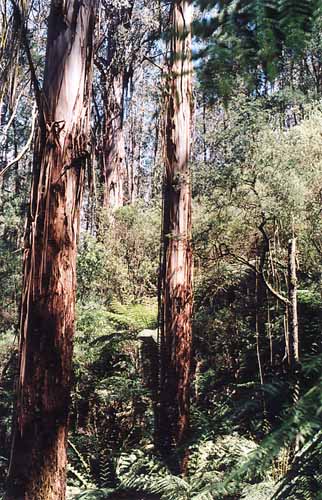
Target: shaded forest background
256	169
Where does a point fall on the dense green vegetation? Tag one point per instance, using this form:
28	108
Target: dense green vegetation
256	179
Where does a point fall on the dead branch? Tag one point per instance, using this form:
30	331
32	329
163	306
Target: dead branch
27	145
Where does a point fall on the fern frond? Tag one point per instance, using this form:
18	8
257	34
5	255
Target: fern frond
171	487
81	477
95	494
304	420
304	479
81	458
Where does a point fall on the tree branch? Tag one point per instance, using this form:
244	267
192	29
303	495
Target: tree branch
13	115
34	79
27	145
260	272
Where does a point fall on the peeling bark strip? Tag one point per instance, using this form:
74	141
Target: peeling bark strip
173	420
38	458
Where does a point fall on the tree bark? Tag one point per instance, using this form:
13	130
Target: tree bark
173	418
113	156
294	354
258	304
38	458
114	81
292	307
134	172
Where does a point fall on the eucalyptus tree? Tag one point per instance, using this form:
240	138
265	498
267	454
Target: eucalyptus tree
112	65
10	93
38	457
9	52
127	35
176	310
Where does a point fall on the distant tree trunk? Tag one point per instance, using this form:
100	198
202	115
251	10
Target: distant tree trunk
134	156
173	418
292	308
114	81
38	459
294	354
270	336
113	154
204	128
258	304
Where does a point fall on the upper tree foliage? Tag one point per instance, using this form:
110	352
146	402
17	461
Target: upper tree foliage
255	39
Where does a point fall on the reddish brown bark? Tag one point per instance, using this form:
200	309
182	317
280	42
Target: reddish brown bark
173	421
38	458
134	155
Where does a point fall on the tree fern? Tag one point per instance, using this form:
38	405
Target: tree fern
134	316
79	468
304	479
95	494
303	422
261	491
79	476
209	461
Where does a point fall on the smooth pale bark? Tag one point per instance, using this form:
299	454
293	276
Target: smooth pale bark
113	156
38	458
294	356
293	348
173	418
258	304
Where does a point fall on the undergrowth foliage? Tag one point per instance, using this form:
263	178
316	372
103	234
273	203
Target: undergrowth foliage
303	475
209	460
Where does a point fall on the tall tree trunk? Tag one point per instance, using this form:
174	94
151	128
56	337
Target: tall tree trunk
294	354
113	165
173	418
38	459
258	304
114	81
292	308
134	155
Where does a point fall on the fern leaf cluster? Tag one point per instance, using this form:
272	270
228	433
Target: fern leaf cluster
304	424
